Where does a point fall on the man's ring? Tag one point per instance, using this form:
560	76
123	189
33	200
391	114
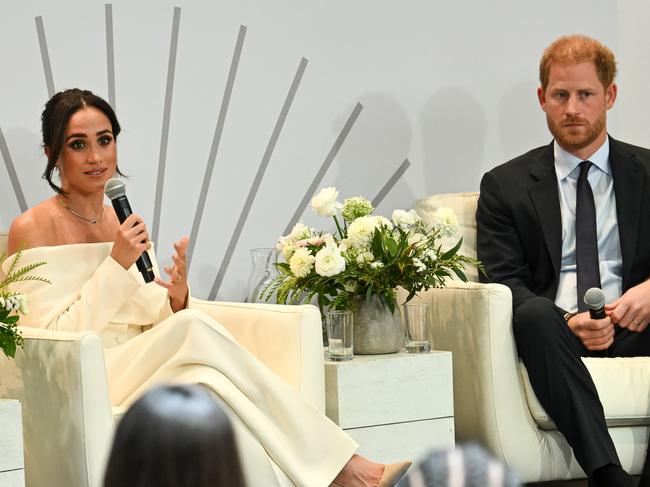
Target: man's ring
636	323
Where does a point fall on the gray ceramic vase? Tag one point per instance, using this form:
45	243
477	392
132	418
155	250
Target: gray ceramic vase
376	330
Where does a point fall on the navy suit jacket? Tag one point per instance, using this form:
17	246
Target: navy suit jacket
519	228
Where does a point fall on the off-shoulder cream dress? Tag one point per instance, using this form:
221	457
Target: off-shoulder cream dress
90	291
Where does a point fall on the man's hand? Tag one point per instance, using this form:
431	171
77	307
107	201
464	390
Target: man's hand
632	310
594	334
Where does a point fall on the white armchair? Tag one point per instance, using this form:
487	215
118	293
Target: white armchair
494	402
68	421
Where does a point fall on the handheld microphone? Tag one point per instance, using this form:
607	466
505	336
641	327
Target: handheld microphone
116	192
595	301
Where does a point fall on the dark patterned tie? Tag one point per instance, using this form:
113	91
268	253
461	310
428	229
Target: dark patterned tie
587	266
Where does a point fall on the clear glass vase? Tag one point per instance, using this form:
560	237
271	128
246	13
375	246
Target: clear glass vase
264	271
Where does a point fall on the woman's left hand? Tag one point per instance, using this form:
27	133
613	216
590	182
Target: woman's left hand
177	288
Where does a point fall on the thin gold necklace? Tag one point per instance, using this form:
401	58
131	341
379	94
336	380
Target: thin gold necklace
89	220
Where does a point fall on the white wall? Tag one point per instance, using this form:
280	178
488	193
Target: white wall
448	85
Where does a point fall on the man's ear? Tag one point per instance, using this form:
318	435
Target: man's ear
541	98
610	95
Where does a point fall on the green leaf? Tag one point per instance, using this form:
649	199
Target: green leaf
10	320
9	349
451	252
460	274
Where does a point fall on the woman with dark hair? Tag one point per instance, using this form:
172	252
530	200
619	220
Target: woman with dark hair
174	436
149	335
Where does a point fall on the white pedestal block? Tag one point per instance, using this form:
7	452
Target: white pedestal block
12	465
396	406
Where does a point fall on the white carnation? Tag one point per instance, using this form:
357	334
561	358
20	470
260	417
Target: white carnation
324	203
405	219
287	251
329	261
360	231
445	220
301	262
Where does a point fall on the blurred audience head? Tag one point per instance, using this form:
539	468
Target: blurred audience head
174	436
466	466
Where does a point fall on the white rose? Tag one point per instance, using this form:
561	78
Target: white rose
404	219
350	286
299	231
377	265
383	221
329	262
301	262
446	221
324	203
417	238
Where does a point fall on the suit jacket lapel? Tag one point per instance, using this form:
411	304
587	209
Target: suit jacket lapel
628	181
546	200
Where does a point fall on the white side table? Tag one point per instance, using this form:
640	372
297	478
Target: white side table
12	465
396	406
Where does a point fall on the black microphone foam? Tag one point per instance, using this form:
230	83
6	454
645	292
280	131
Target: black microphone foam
116	192
595	301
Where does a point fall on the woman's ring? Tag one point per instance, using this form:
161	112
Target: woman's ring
636	323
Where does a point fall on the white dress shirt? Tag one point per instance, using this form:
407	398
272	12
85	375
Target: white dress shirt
609	246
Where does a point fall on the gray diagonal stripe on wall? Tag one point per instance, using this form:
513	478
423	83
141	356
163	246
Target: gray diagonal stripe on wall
110	55
324	167
11	170
164	137
45	56
258	178
390	183
214	149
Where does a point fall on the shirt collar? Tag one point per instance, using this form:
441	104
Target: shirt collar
566	163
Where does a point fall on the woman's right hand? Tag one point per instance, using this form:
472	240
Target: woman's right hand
131	239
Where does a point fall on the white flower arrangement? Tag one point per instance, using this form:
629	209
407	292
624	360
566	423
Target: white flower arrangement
369	255
13	304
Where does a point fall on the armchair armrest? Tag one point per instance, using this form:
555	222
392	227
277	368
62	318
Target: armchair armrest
60	378
474	321
288	339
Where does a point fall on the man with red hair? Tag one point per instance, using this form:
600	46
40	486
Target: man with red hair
564	218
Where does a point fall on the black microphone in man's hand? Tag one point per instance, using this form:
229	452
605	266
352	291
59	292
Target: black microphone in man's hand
116	191
595	301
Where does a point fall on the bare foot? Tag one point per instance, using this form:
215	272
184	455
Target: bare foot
360	472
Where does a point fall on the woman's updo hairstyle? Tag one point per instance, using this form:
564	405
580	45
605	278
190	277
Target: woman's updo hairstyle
55	118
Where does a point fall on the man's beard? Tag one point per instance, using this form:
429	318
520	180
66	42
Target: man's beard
576	141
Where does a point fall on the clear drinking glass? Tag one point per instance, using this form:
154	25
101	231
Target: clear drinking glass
339	335
416	319
264	271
